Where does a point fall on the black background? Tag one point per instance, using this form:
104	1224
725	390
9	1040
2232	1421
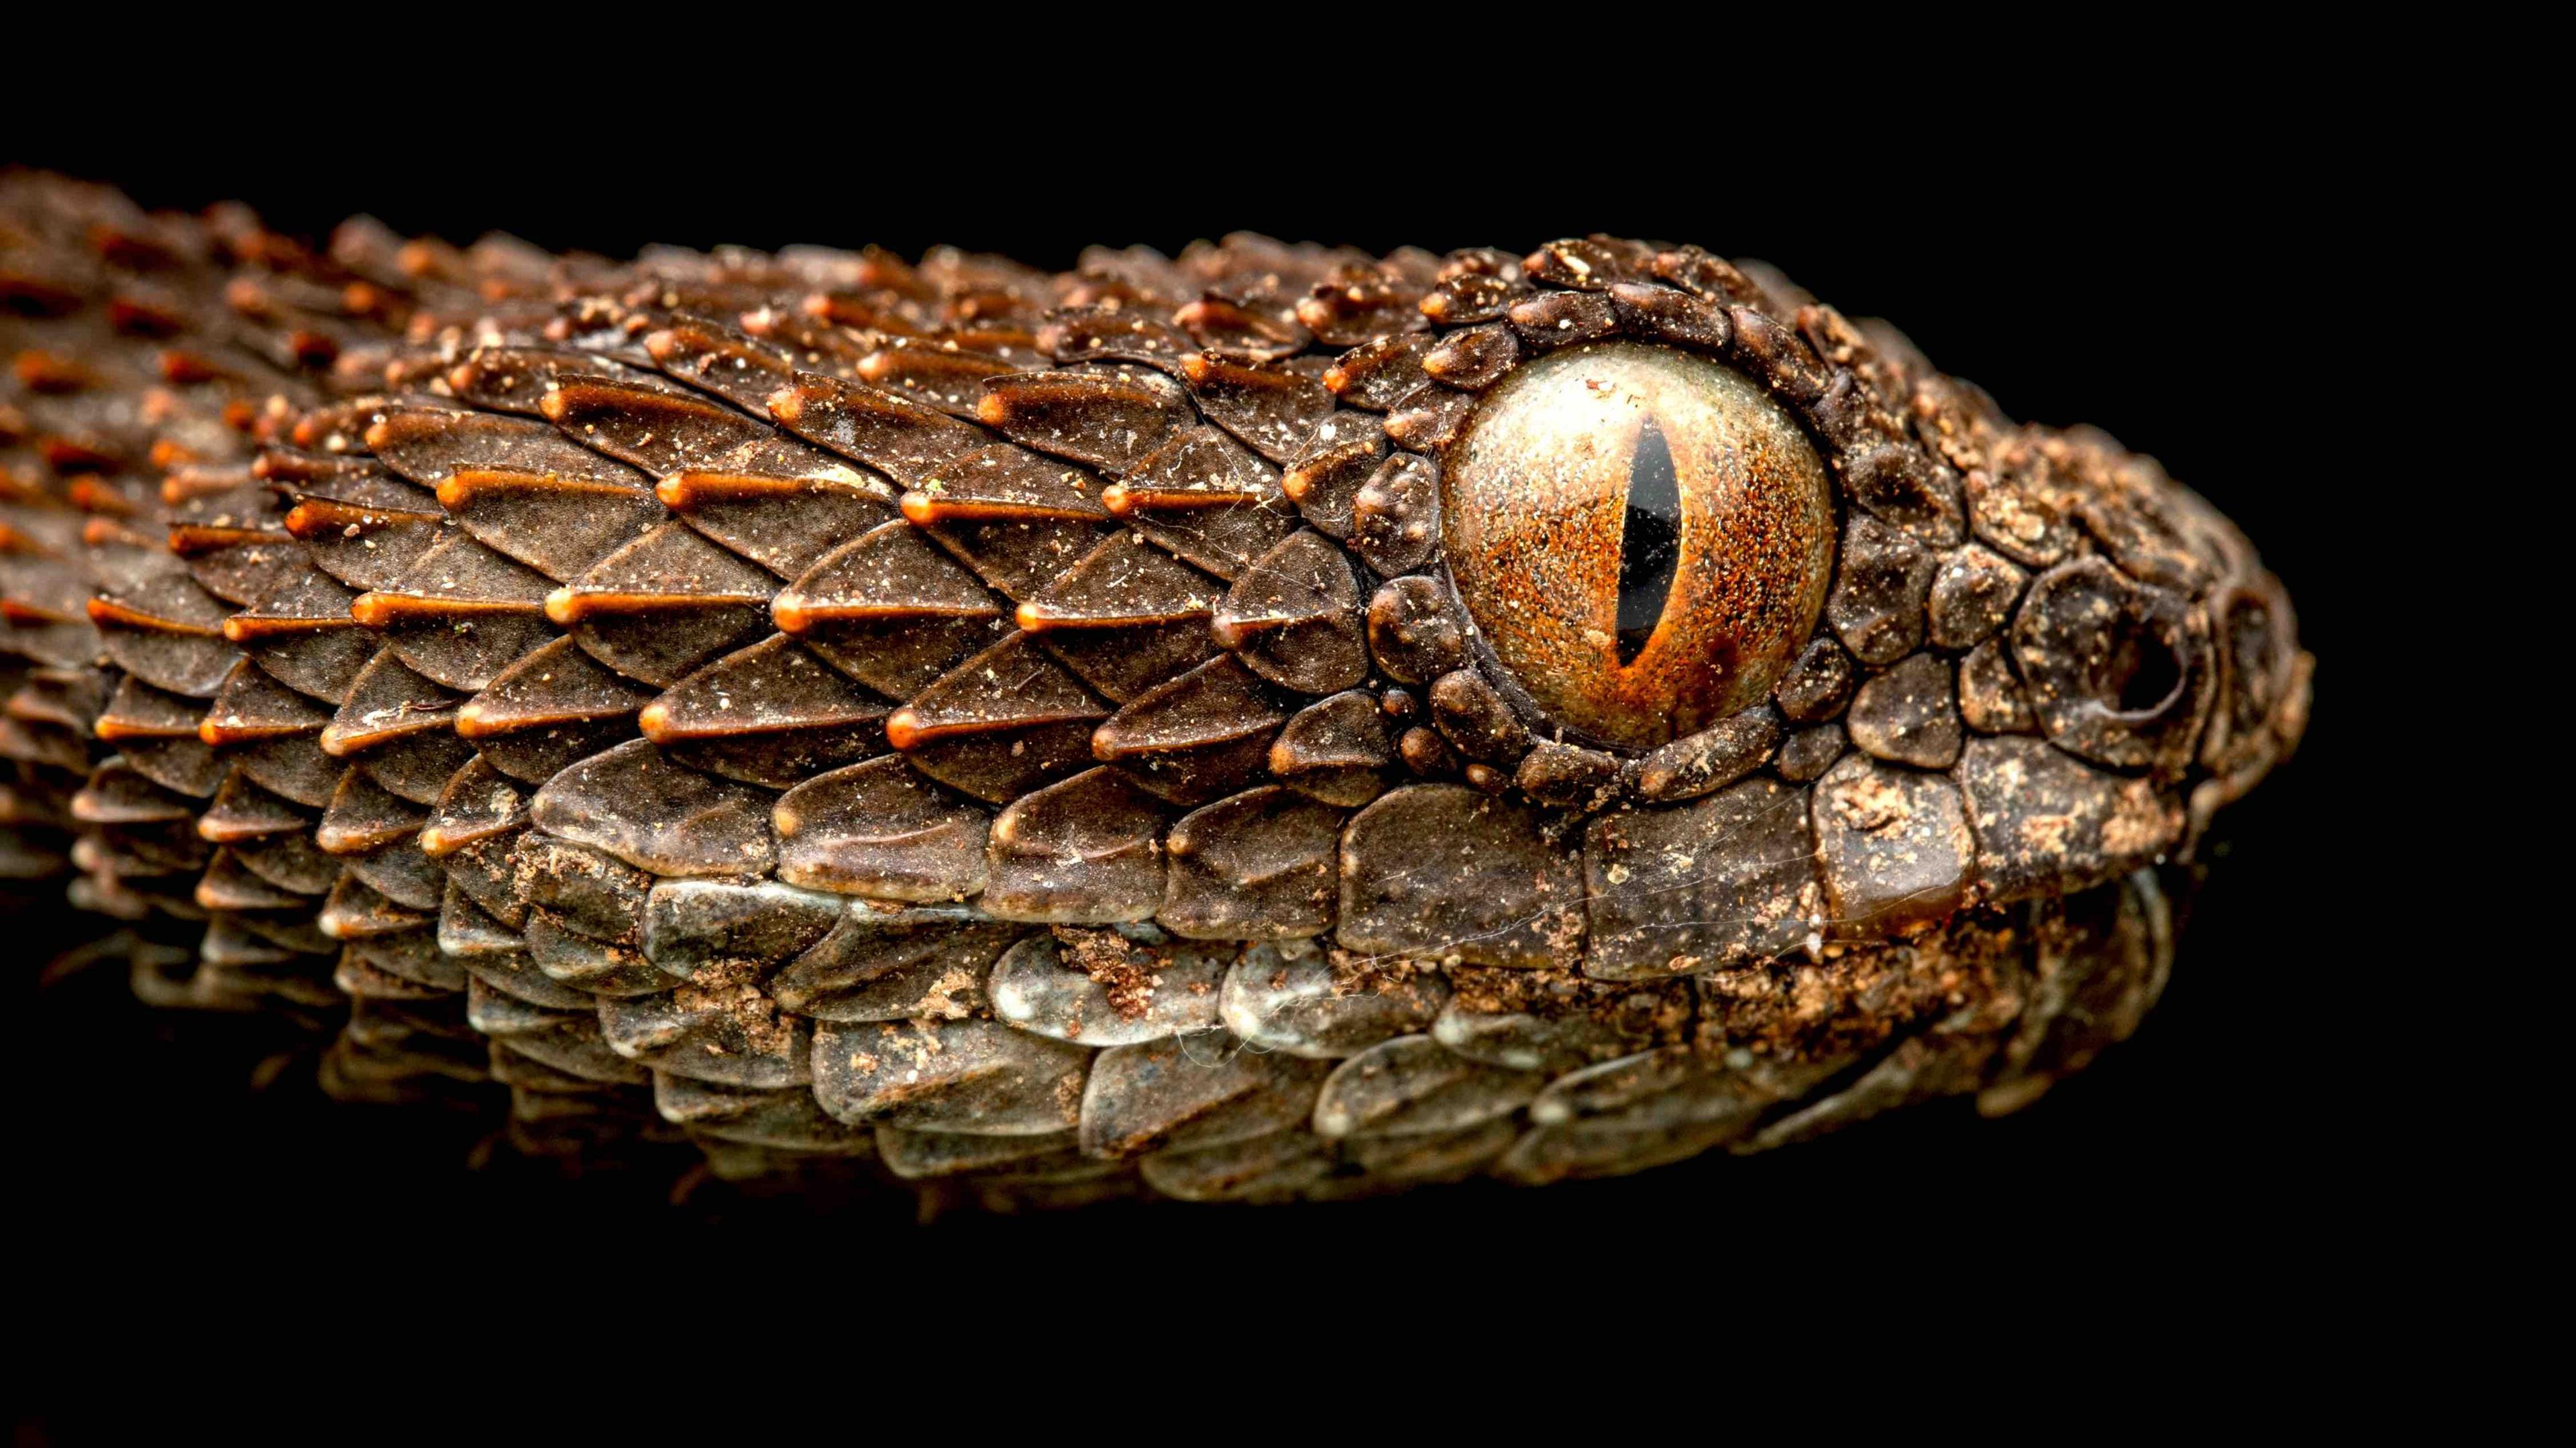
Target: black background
2195	296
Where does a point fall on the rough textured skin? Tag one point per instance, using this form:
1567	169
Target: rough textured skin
1018	730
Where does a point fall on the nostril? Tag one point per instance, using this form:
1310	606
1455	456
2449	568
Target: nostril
2143	673
2116	668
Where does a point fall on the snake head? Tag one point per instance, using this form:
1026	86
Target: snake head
1613	609
1608	659
1728	626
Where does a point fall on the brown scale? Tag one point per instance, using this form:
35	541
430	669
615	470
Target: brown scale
314	685
270	794
411	924
150	307
823	688
548	710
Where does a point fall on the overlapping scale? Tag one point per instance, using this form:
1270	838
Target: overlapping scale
1016	729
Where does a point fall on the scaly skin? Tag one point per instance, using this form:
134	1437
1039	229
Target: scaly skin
1021	731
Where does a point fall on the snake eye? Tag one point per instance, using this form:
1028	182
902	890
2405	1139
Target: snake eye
1643	536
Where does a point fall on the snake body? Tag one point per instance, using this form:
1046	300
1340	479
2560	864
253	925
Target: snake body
1021	732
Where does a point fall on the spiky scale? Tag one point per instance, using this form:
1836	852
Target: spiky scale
453	605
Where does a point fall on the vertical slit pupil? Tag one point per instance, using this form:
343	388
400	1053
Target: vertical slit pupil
1649	543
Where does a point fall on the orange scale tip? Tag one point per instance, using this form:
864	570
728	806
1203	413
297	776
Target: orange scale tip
790	615
654	720
991	410
564	607
1335	380
92	496
673	491
65	454
660	344
787	405
378	435
219	732
469	722
1115	499
1198	367
921	508
553	404
186	483
45	372
373	610
16	612
190	540
903	728
302	522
